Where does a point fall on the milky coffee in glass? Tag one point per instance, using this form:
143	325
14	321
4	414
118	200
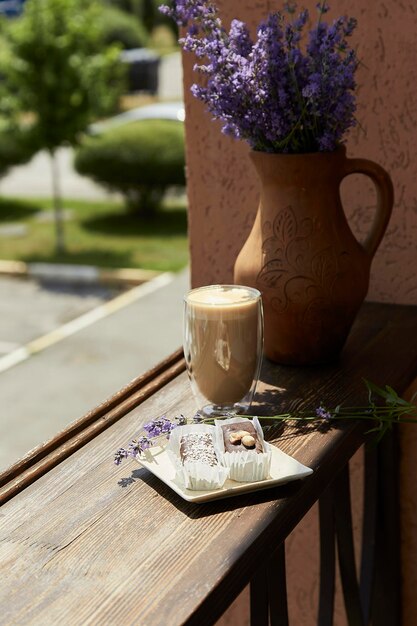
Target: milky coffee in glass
223	345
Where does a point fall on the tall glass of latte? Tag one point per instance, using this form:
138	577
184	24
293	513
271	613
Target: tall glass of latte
223	339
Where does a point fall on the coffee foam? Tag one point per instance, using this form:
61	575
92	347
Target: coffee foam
220	296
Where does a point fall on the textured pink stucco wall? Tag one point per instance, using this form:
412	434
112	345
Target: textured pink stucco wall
223	195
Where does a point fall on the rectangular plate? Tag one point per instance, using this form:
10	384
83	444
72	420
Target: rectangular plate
283	469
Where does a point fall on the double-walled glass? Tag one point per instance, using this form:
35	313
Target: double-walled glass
223	340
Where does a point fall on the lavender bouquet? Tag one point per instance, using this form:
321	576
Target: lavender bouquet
288	91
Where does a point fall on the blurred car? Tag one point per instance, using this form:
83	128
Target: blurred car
11	8
174	111
143	70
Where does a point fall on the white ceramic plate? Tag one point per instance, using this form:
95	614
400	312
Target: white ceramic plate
283	469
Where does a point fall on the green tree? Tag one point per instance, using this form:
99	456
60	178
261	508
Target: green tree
58	73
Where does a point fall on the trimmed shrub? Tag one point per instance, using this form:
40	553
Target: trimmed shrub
140	160
16	147
148	12
122	28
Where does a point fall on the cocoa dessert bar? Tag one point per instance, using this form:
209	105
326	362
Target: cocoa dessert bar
198	447
241	437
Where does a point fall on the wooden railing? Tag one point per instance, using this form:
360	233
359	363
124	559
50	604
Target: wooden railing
86	542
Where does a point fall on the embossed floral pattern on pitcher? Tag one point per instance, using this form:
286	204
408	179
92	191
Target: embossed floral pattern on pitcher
301	254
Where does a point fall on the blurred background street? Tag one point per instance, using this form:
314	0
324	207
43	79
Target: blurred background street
66	345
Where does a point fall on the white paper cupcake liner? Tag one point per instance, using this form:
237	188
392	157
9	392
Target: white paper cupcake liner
195	475
247	466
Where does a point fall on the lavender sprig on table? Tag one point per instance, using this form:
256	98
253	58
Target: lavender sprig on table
278	92
396	411
155	430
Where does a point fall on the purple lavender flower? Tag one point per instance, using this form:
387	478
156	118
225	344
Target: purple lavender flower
153	429
158	427
137	446
322	7
181	420
120	455
323	413
275	93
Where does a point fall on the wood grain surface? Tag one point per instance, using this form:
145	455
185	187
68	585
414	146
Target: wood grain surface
91	543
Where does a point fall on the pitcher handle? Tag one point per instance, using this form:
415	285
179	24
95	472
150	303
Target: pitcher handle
385	199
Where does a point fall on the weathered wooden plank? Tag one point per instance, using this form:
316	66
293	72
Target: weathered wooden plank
77	547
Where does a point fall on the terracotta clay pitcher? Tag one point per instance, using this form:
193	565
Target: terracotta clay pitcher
302	256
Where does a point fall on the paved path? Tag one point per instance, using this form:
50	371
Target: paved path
44	393
34	179
49	307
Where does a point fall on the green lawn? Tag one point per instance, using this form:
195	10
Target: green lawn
98	233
